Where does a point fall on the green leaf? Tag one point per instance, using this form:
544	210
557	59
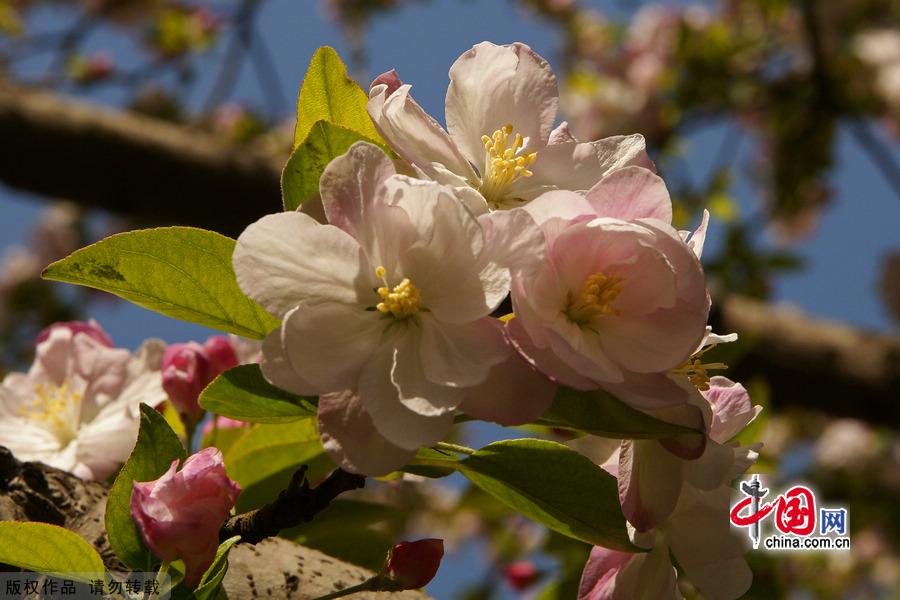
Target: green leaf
431	463
553	485
301	174
212	579
265	458
156	448
49	549
599	413
243	393
366	548
341	516
328	94
181	272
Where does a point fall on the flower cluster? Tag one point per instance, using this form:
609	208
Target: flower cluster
389	305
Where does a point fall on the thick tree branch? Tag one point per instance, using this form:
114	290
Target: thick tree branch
131	165
813	363
273	568
163	173
295	505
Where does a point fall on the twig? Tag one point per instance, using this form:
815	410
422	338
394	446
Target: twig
295	505
879	153
267	74
234	55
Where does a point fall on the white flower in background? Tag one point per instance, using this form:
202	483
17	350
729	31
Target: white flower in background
77	408
500	149
385	310
678	507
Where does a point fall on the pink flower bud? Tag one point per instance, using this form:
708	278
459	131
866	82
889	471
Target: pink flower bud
413	564
179	515
390	79
185	372
90	328
521	575
220	354
221	423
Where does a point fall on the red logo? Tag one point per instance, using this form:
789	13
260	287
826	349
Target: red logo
795	511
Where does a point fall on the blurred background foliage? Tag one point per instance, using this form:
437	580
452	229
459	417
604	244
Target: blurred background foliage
775	80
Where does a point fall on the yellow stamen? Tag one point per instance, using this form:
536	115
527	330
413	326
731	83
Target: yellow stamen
504	164
57	408
697	371
595	299
402	301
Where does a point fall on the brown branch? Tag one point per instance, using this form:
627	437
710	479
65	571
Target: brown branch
813	363
295	505
274	568
132	165
163	173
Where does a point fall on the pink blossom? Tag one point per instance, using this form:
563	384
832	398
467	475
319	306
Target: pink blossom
186	371
413	564
188	368
615	298
179	515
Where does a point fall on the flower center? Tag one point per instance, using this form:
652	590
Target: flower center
595	299
504	163
402	301
56	408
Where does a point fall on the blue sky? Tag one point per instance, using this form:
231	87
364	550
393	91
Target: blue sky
421	41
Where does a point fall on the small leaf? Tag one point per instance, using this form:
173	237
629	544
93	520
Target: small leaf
328	94
181	272
265	458
49	549
243	393
156	448
553	485
599	413
212	579
301	174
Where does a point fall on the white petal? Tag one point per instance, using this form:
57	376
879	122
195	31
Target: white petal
578	166
415	391
351	439
351	185
277	369
105	443
328	343
461	355
413	133
284	259
493	86
706	547
399	425
513	239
